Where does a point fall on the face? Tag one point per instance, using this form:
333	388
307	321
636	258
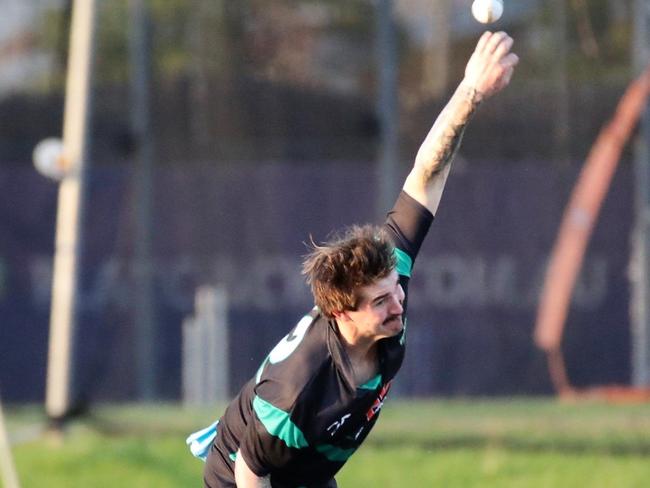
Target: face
379	312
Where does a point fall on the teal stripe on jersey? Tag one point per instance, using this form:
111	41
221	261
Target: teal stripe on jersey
278	423
335	454
372	383
404	263
402	338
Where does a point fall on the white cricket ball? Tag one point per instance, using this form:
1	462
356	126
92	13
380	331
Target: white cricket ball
487	11
48	158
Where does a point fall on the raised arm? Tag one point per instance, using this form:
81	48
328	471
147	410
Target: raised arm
488	71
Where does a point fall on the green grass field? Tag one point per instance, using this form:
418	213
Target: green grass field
470	443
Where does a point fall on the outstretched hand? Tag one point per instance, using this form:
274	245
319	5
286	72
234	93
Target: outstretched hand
488	71
490	67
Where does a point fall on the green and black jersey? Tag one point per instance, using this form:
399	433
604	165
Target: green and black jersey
301	417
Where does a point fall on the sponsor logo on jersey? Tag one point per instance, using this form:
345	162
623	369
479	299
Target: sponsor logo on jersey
379	402
336	425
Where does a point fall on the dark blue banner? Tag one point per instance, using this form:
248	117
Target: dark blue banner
473	296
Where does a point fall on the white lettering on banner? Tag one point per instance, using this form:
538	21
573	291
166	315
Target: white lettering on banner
274	282
591	289
503	288
106	286
178	282
453	280
40	277
268	283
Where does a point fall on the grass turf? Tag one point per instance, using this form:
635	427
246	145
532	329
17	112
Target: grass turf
461	443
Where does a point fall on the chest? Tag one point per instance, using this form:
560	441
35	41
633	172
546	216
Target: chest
347	420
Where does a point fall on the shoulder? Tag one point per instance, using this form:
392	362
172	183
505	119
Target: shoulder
293	363
407	223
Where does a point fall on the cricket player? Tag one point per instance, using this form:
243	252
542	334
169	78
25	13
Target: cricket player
320	390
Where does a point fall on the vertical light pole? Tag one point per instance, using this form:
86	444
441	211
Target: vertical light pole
63	317
640	300
140	57
560	85
387	105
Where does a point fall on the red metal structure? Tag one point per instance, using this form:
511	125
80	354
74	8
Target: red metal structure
577	225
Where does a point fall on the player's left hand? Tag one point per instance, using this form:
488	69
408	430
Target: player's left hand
490	67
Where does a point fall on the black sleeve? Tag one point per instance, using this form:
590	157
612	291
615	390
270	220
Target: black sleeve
408	223
272	438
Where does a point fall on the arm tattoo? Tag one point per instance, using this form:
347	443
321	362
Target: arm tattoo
447	137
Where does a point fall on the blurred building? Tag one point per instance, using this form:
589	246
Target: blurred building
25	63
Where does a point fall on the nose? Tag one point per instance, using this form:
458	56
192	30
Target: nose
398	300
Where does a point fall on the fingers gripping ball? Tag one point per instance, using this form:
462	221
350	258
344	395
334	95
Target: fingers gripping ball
487	11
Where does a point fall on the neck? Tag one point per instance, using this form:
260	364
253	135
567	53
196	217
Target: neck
357	346
361	351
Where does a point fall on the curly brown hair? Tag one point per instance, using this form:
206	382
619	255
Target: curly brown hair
337	269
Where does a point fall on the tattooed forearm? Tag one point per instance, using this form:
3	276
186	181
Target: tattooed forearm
487	72
442	142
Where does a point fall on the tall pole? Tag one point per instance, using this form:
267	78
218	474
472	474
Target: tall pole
387	105
64	310
560	85
140	56
640	302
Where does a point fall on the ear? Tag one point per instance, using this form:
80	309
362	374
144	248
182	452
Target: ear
343	316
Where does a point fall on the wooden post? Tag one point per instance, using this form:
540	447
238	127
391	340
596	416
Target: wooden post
63	315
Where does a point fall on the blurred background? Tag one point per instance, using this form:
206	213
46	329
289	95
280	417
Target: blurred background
222	134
